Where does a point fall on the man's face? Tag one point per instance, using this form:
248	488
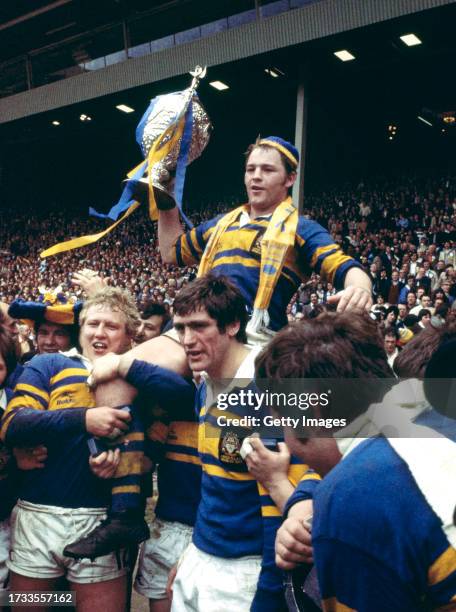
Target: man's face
266	180
313	298
52	338
149	328
402	310
425	301
3	371
411	300
8	323
319	453
426	320
391	317
390	344
395	276
204	344
103	331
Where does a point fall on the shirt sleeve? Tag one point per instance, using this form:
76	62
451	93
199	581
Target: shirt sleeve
189	247
350	579
270	596
318	250
168	389
27	421
304	491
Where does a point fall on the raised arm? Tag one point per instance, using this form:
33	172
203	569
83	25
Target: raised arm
169	230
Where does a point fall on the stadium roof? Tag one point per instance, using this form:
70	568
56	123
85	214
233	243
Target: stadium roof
351	106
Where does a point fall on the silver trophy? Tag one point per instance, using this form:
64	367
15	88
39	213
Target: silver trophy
167	110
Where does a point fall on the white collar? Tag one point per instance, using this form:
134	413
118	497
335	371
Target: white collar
245	219
73	353
245	371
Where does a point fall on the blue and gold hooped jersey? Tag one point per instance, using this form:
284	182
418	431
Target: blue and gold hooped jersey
179	474
378	545
8	474
238	256
48	407
234	507
173	446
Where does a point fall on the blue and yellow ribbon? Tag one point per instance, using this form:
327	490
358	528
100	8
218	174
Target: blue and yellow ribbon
181	130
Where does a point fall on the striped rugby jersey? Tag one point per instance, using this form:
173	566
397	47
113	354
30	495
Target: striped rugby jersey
239	257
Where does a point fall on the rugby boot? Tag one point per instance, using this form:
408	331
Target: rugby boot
119	530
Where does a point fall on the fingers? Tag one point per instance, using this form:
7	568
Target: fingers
255	442
107	422
352	298
121	419
105	464
284	565
40	452
295	536
358	299
290	557
283	450
123	415
293	544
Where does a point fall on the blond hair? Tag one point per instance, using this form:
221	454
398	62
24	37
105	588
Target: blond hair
118	300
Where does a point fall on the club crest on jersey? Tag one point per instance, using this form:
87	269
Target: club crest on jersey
229	447
256	246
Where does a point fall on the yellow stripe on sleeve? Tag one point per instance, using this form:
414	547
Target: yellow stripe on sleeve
270	511
449	607
31	389
442	567
24	401
5	424
331	264
321	251
66	373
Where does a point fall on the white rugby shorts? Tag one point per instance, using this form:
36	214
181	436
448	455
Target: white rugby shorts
4	552
40	533
209	583
159	554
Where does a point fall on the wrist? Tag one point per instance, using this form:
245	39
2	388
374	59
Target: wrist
302	510
275	482
123	365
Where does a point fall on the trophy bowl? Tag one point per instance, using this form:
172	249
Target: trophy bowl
165	111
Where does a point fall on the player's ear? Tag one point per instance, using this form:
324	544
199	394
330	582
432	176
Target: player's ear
290	180
233	328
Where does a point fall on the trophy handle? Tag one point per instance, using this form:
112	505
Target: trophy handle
198	73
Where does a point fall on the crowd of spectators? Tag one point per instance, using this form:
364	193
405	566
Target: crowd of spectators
402	231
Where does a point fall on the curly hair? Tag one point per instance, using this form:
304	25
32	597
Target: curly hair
118	300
